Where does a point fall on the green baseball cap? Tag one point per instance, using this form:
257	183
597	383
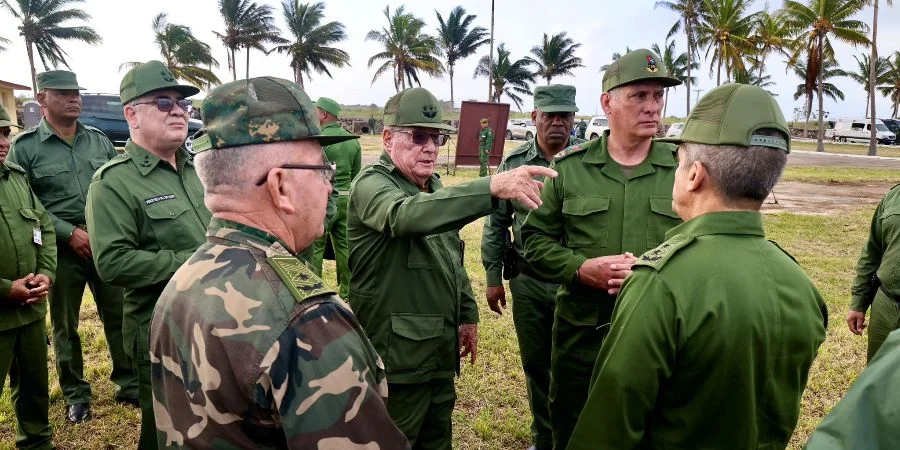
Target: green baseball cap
5	121
148	77
555	98
62	80
634	66
261	110
730	115
328	105
414	107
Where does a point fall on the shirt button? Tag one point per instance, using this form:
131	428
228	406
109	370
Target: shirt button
171	213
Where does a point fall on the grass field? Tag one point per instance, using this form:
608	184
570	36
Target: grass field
492	410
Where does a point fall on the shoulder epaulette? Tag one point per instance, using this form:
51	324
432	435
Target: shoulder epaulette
23	134
94	129
657	257
298	278
578	148
13	166
119	159
784	251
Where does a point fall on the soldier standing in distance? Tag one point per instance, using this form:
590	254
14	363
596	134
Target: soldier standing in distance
60	157
372	123
485	144
145	211
293	367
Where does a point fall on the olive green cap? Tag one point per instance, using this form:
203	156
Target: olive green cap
414	107
555	98
328	105
62	80
148	77
261	110
730	115
635	66
5	121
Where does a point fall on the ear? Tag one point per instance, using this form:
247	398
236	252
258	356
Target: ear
697	176
277	192
387	140
130	116
41	97
605	99
534	113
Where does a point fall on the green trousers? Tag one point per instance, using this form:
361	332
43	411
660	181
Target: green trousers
884	318
484	157
72	274
423	412
532	309
336	230
141	363
23	355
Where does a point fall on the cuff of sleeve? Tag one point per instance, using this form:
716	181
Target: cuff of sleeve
50	274
64	231
469	319
5	287
572	267
859	304
494	277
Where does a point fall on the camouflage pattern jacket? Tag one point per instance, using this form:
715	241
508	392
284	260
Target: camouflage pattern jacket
251	350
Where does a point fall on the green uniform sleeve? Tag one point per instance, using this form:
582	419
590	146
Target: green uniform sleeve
114	237
46	258
869	261
468	306
62	229
356	164
625	388
542	235
494	237
384	207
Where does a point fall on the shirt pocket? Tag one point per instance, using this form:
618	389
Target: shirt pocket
169	223
890	233
97	163
586	221
53	181
662	218
424	253
415	340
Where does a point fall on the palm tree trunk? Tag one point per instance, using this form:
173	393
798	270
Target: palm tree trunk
450	71
33	72
896	101
298	78
665	103
248	63
233	65
687	82
873	61
867	107
820	136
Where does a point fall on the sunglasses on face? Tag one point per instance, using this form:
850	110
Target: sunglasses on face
422	137
327	170
166	104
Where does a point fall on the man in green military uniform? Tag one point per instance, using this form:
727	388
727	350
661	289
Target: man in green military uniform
60	156
485	145
145	211
28	246
347	159
866	418
877	281
533	300
409	287
612	199
372	124
582	129
265	324
714	332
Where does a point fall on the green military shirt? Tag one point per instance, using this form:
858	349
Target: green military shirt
486	139
21	213
710	344
881	254
145	218
347	157
280	365
496	226
408	283
61	173
592	209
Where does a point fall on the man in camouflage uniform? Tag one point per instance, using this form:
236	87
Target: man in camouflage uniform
372	124
60	157
145	211
28	246
347	158
533	300
485	144
612	199
249	348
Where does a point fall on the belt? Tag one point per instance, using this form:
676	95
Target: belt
892	297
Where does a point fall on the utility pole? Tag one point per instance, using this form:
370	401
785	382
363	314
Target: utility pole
491	76
697	91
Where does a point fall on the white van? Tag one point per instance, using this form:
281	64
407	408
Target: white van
859	130
596	127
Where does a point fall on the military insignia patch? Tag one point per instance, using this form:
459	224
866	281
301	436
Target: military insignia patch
429	111
658	256
651	65
298	278
166	75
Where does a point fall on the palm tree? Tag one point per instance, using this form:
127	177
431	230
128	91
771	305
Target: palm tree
311	50
817	23
41	26
509	77
688	12
555	56
457	41
873	148
247	25
407	50
770	34
676	65
615	57
185	55
3	43
864	69
724	28
829	70
891	83
751	75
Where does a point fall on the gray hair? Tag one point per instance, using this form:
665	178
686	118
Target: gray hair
235	167
738	173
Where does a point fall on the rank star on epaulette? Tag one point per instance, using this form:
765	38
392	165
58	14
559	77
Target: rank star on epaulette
656	254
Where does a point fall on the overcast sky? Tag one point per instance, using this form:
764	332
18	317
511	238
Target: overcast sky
602	26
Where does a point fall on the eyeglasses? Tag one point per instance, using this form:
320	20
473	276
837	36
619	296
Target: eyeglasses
327	171
422	137
166	104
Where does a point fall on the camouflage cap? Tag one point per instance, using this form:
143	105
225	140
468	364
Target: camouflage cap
414	107
328	105
555	98
635	66
731	114
258	111
5	121
148	77
57	79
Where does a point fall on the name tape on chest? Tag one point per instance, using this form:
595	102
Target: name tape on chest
159	198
